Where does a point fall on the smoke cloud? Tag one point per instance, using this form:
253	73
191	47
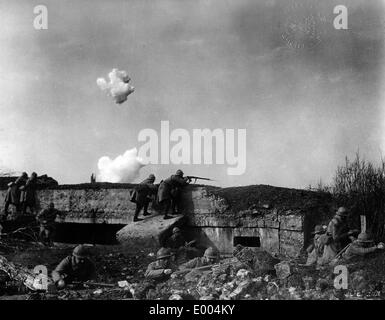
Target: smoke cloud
124	168
117	87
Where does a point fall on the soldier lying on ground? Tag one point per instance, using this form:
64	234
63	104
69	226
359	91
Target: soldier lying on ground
362	246
211	256
77	267
316	249
162	268
46	219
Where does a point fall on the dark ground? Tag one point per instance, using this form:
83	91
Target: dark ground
250	274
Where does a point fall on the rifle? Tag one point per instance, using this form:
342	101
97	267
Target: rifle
94	284
196	178
339	254
203	268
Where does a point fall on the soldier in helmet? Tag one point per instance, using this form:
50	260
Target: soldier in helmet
13	193
46	219
338	236
77	267
362	246
316	249
211	256
28	194
176	240
142	196
169	192
162	268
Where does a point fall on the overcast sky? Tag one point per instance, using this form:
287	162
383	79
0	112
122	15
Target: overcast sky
307	94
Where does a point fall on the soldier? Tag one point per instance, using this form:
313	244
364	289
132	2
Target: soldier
13	193
162	268
46	218
360	247
210	257
316	249
176	240
28	194
338	236
77	267
142	196
169	192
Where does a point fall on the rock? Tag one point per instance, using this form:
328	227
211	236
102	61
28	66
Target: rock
322	285
260	261
242	289
358	281
243	273
283	269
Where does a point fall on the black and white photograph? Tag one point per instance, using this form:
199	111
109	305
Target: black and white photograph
207	151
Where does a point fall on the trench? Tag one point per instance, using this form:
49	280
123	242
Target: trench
97	233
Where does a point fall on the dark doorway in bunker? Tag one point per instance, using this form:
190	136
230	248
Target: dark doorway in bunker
94	233
247	241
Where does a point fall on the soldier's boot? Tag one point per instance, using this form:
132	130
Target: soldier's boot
145	213
166	208
137	210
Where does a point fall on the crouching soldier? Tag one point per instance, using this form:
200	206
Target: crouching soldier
211	256
316	249
362	246
338	236
161	269
75	268
46	219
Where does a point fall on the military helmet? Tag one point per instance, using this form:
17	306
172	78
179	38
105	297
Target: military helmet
318	229
342	211
364	237
176	230
151	177
211	253
179	173
80	251
163	253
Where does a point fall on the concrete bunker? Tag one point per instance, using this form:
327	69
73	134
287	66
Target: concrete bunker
278	220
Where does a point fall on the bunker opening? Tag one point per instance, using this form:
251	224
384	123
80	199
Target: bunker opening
93	233
247	241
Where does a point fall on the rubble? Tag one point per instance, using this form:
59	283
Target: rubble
235	278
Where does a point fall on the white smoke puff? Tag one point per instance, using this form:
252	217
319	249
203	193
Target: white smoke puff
124	168
117	87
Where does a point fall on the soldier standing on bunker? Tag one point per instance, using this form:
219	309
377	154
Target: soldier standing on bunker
161	269
338	236
46	218
362	246
316	249
169	192
142	196
28	194
77	267
211	256
13	194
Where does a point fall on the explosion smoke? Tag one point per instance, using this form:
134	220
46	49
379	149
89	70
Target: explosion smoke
117	87
124	168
